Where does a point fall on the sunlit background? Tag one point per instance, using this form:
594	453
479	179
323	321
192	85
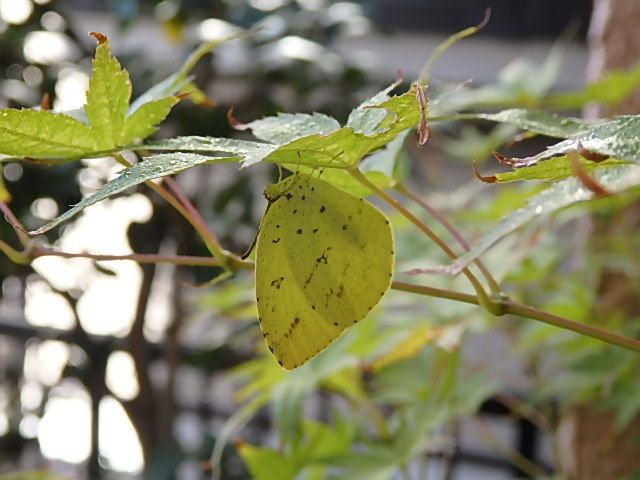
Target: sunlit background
66	368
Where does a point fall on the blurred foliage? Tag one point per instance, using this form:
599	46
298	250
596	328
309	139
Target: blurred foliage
389	390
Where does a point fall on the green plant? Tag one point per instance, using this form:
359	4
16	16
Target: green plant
591	161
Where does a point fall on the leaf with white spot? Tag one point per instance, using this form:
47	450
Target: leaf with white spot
562	194
155	166
288	126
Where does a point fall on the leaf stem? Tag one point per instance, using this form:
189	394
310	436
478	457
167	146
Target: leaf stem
21	232
423	79
506	306
455	233
485	301
141	258
182	204
14	255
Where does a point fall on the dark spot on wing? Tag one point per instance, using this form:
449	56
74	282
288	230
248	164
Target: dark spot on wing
294	211
335	323
299	232
277	282
276	240
277	226
315	230
303	197
280	363
323	258
289	196
270	348
344	227
322	209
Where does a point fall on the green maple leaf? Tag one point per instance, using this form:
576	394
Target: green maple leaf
110	126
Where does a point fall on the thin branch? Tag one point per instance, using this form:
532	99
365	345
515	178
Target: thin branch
582	328
226	258
141	258
186	203
21	232
453	231
14	255
477	286
423	79
506	306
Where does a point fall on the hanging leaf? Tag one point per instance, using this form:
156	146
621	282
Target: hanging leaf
552	170
153	167
618	138
562	194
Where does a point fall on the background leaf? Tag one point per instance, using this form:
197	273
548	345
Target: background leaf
544	123
554	169
267	464
562	194
44	134
612	90
288	126
619	138
153	167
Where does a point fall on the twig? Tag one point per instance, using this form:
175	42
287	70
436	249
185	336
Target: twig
142	258
506	306
226	258
484	299
21	232
453	231
423	79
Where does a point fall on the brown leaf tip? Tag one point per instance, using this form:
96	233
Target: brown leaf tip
423	102
234	122
45	101
485	20
589	155
99	37
504	160
483	178
587	180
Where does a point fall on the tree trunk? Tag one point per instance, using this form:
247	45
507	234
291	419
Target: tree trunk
590	447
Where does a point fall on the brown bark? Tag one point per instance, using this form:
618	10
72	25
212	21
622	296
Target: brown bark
614	43
590	447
